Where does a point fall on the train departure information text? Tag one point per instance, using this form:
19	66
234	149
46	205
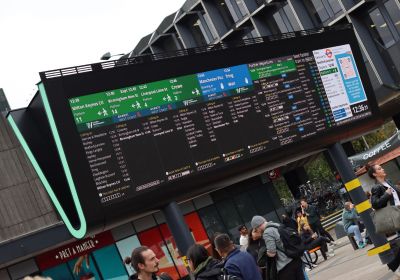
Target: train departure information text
142	136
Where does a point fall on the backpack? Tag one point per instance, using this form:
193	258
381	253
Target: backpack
292	243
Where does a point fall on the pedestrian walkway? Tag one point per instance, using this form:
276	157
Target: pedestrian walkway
351	264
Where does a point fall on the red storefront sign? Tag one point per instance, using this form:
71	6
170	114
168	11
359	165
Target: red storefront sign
73	250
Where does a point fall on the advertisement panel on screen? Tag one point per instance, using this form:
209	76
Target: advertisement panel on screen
134	136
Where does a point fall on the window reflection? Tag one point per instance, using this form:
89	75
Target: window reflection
379	27
393	9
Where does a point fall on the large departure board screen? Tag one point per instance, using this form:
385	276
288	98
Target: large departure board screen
142	136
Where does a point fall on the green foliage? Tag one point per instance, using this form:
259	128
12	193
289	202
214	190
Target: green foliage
283	190
374	138
319	171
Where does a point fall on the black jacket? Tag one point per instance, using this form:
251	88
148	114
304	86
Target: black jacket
163	276
209	270
379	197
306	236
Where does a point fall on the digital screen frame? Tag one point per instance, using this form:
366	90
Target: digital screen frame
240	74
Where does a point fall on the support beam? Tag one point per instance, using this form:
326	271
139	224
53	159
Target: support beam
178	227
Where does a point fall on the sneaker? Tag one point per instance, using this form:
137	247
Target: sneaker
307	269
331	254
332	243
361	245
314	265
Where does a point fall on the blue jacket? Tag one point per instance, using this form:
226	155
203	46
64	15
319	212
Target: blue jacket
243	265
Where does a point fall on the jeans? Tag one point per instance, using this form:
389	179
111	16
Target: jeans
357	234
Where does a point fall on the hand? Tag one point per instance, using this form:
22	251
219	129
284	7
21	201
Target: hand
389	191
314	236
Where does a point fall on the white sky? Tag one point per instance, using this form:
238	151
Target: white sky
41	35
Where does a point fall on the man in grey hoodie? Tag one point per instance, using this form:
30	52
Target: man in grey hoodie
288	268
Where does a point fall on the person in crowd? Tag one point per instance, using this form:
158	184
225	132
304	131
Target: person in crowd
349	218
313	219
312	240
384	191
256	248
301	220
237	263
204	267
288	268
145	263
289	222
244	238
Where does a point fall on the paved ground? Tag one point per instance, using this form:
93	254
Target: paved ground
348	264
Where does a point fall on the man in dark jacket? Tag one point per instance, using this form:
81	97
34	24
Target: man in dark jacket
313	219
237	263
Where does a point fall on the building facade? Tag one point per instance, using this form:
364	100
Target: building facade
30	244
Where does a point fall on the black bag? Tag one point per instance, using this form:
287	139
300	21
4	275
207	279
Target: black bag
292	243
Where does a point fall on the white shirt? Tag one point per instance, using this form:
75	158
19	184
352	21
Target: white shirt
394	193
243	241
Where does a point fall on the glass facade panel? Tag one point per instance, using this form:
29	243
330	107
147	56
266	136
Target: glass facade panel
152	238
245	206
263	202
335	6
393	9
211	220
125	248
110	263
292	21
59	272
224	12
83	267
380	28
229	215
321	10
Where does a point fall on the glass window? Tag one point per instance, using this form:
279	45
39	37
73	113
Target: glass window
245	206
152	238
202	201
110	263
224	12
380	28
83	267
229	215
292	21
242	7
282	23
59	272
263	202
211	220
125	248
321	10
336	8
393	8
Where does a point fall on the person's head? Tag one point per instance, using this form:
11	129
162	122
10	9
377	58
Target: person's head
223	244
258	223
243	230
347	205
375	171
255	235
143	260
303	203
298	214
196	254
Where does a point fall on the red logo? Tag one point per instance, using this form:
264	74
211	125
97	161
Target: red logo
328	53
